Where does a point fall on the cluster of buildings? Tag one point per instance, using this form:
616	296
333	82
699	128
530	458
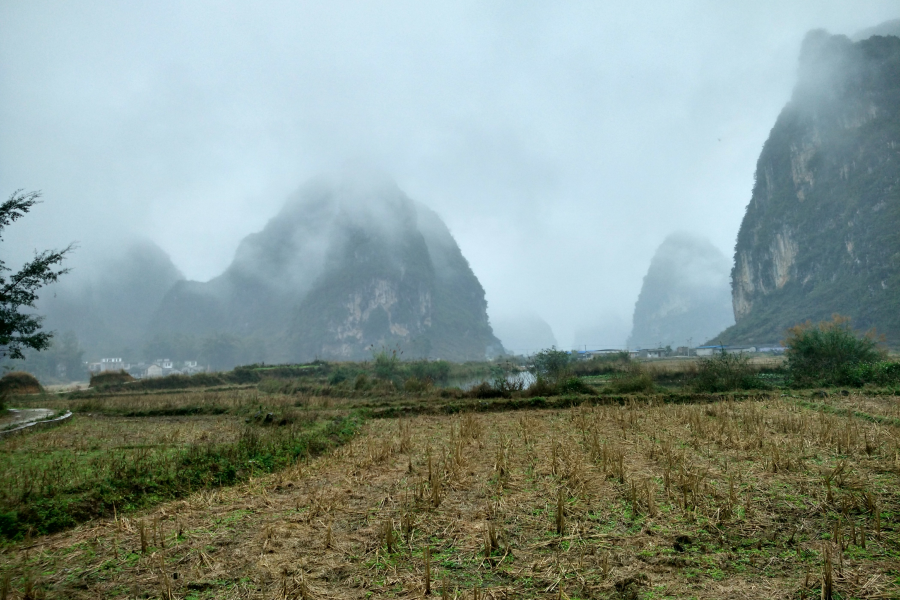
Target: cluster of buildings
682	351
720	349
142	370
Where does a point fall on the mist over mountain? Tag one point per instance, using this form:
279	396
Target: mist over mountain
524	334
349	265
685	294
609	331
891	27
821	234
110	297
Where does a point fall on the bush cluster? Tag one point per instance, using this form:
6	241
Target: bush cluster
601	365
635	378
117	381
420	374
17	382
725	373
110	378
832	353
552	365
881	373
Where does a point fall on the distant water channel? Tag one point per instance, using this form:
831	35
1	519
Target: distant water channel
525	378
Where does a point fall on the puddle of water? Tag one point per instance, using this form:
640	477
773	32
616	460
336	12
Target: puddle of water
25	415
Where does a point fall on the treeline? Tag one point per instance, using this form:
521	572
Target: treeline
385	372
824	354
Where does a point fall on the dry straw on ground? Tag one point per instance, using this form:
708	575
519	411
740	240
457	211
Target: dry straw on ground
763	498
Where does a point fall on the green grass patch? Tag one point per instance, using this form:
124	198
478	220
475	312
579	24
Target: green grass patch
55	480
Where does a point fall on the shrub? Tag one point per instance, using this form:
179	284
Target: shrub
505	382
574	385
882	372
414	385
635	379
343	373
829	352
243	375
177	382
541	387
287	371
387	364
361	382
484	390
110	378
19	382
601	365
724	373
437	371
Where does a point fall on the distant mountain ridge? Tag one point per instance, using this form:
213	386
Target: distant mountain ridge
821	234
345	267
111	296
684	297
349	265
524	333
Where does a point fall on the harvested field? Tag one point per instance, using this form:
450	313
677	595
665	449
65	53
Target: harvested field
96	465
761	498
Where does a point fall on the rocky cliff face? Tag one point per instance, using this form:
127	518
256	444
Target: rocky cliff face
345	267
684	296
822	231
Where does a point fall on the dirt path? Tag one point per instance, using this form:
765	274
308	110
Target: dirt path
25	415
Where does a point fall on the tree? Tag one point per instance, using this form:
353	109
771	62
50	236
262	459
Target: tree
62	361
552	365
20	330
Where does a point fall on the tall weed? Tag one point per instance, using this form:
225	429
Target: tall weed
634	379
725	373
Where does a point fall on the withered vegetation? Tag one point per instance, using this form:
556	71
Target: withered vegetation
773	496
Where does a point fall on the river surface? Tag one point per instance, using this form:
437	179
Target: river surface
465	385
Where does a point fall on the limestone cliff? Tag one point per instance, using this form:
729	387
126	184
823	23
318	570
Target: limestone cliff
348	265
684	295
821	234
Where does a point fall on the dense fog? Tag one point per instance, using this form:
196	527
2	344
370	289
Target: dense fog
560	144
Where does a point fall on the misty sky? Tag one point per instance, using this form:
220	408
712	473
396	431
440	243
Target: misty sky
560	141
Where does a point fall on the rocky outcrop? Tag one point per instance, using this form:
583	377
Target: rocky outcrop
347	266
820	232
684	296
752	278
